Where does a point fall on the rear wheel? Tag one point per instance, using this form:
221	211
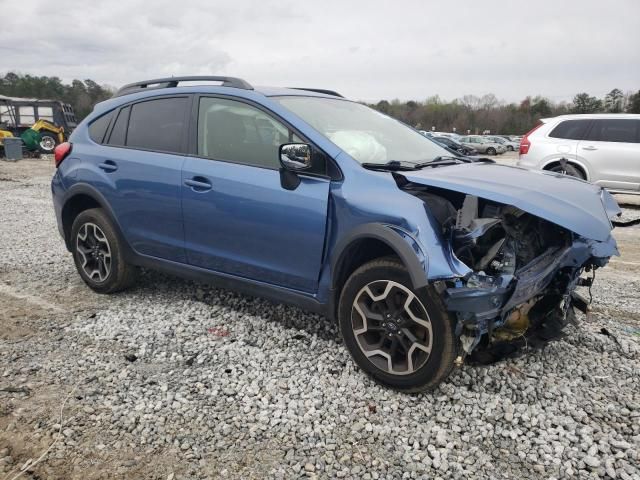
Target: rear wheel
510	148
568	169
48	141
491	151
403	338
98	253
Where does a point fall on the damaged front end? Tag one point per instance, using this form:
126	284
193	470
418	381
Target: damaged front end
522	273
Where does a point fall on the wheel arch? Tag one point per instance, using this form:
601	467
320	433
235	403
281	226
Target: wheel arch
79	198
369	241
549	164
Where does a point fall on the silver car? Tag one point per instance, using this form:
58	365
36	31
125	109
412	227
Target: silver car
510	145
601	148
482	145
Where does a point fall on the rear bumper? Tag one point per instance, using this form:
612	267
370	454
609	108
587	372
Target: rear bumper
57	193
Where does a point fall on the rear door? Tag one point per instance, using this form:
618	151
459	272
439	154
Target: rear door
238	219
612	149
140	164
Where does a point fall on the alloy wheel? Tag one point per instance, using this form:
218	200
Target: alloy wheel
392	327
94	251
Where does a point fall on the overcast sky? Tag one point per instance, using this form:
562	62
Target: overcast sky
367	50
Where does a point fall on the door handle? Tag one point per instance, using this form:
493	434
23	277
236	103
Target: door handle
108	166
198	184
589	148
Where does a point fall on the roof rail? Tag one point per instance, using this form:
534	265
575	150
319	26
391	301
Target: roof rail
174	81
319	90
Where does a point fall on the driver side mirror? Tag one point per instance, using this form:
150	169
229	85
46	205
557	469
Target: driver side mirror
295	156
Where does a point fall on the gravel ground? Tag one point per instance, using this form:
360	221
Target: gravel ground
177	380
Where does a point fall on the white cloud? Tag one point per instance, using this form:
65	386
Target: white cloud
366	49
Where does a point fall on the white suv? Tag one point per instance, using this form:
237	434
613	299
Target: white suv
601	148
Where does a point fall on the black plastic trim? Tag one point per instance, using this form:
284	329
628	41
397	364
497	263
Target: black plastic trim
383	233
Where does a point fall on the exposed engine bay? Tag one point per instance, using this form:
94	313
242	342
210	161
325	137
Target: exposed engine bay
524	271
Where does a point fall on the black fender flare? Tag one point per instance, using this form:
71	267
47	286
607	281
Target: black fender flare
90	191
407	249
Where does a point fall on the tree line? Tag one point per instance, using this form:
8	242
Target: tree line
81	95
472	114
466	114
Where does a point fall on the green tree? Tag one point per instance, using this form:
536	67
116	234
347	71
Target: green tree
584	103
613	101
634	103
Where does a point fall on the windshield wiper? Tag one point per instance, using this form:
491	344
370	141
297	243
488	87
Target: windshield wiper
442	160
391	166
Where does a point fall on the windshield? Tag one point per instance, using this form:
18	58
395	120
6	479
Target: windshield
365	134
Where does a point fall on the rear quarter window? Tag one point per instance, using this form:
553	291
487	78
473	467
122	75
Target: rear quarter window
98	128
570	129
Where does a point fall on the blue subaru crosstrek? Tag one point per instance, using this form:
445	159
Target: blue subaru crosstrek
305	197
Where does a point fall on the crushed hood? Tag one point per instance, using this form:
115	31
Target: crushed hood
566	201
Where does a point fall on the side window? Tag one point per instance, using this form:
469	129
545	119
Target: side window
237	132
98	127
119	131
45	113
614	130
27	115
570	129
158	125
7	115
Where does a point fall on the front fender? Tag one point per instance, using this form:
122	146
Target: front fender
400	241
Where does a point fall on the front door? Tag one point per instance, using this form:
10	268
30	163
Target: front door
237	217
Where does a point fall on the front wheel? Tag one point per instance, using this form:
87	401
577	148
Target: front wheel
403	338
98	253
491	151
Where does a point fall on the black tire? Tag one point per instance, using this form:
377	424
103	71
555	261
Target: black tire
108	276
491	151
443	345
509	148
48	141
568	169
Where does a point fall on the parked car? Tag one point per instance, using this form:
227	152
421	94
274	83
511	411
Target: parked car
601	148
452	144
508	144
451	135
308	198
482	145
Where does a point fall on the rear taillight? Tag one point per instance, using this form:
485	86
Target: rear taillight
526	143
61	152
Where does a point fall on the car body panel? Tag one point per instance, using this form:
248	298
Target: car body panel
565	201
246	222
148	208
